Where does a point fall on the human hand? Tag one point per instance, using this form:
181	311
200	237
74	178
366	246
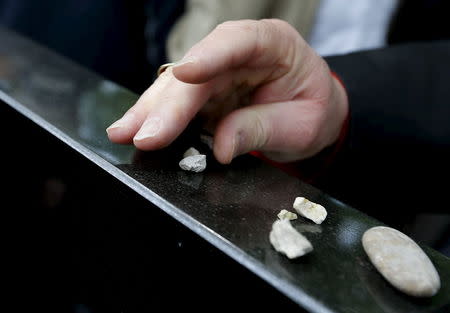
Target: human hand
256	84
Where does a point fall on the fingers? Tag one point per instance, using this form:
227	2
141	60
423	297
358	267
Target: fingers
166	108
160	114
289	81
289	128
235	44
285	131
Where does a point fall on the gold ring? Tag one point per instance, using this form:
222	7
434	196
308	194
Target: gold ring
164	67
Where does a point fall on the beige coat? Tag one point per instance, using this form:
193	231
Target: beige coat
202	16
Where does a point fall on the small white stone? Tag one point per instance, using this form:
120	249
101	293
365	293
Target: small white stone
194	163
285	239
286	215
190	152
313	211
401	261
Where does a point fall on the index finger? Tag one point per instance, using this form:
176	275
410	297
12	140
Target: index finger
233	44
160	114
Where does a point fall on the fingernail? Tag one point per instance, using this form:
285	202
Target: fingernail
149	129
185	61
123	122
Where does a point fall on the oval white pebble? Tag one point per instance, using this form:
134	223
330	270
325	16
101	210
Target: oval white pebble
401	261
285	239
194	163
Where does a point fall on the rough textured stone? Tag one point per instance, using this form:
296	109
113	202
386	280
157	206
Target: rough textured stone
310	210
285	239
194	163
401	261
190	152
286	215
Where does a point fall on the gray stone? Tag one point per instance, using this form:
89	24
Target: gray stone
285	239
401	261
194	163
286	215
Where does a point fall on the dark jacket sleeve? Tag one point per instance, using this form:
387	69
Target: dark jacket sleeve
397	150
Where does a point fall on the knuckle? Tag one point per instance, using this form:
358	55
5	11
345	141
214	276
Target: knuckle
275	21
278	25
240	26
224	25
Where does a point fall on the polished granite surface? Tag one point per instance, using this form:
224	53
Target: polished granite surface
232	207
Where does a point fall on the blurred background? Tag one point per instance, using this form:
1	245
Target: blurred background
126	41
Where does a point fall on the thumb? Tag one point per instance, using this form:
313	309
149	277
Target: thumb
284	131
242	131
